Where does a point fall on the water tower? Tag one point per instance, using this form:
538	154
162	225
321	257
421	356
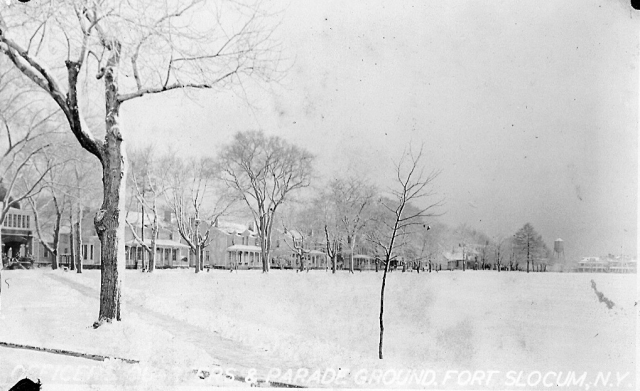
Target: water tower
558	248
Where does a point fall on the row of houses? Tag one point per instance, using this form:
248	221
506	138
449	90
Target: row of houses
609	264
232	245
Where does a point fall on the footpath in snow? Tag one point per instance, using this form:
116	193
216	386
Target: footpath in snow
49	311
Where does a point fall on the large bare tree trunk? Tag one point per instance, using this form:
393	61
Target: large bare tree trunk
152	255
55	254
198	256
266	235
111	214
353	247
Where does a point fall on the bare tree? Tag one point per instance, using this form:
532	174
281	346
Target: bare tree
529	243
83	189
499	248
411	185
299	226
352	198
146	188
326	210
53	247
296	243
52	206
263	171
190	191
163	46
25	129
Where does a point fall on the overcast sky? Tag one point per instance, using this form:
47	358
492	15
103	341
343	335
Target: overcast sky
529	108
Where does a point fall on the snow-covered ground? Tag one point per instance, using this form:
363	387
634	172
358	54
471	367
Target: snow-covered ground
454	330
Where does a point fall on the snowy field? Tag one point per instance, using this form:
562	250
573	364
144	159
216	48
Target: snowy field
447	330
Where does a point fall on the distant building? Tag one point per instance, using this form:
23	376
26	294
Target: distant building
609	264
18	235
462	255
170	251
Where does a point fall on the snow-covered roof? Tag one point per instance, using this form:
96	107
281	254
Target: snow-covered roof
243	247
234	228
591	260
159	243
457	256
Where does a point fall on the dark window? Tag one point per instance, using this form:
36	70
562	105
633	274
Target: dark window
19	222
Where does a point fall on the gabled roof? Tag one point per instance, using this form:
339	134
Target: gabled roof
243	247
159	243
456	256
135	219
591	260
233	228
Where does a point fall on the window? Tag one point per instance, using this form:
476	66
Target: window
84	252
13	222
28	222
91	255
19	221
206	256
174	254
